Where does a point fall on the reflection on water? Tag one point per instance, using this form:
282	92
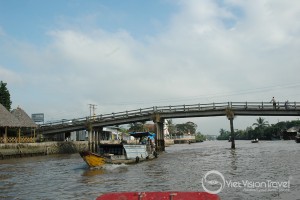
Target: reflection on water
233	158
93	172
180	168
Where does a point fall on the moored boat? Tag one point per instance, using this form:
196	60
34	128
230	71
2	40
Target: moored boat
159	196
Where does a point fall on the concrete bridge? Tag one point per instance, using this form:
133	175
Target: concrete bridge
158	114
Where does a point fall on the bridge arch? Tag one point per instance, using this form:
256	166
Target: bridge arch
159	113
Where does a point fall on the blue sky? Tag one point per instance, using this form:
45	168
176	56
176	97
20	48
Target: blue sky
59	56
31	19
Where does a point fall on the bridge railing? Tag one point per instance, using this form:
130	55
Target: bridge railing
125	114
175	108
265	105
191	107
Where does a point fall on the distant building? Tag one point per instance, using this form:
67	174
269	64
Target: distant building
108	133
290	133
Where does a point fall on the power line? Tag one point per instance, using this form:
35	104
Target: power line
214	95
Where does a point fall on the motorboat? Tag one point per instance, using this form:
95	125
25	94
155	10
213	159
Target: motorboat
144	149
254	141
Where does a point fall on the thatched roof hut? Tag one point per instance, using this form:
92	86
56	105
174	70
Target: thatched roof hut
7	119
293	129
23	118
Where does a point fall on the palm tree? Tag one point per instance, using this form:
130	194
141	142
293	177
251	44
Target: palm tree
170	127
222	132
260	124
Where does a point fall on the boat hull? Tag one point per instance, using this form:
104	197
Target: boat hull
119	154
92	159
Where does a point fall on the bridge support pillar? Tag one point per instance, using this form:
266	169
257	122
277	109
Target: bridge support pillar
230	116
90	140
97	138
159	138
93	141
96	141
232	133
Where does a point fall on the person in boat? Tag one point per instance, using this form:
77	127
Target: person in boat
151	144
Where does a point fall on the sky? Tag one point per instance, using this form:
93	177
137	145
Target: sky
57	57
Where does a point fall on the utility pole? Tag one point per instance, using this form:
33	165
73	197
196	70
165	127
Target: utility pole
92	110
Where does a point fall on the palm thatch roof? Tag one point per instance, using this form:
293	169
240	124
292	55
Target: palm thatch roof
7	119
23	118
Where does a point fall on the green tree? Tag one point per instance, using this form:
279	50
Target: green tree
224	135
222	131
171	127
199	137
261	125
137	127
5	96
248	133
188	127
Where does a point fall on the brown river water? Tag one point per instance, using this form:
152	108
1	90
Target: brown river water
264	170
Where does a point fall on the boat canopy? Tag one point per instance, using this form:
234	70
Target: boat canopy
142	134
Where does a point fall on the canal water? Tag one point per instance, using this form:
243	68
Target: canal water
264	170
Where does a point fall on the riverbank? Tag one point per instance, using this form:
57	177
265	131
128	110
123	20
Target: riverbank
16	150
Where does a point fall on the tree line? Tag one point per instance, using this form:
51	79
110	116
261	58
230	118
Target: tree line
261	129
5	96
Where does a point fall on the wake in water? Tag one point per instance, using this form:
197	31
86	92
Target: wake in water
106	169
115	168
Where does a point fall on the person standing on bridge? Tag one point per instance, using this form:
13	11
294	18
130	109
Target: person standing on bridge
274	102
286	104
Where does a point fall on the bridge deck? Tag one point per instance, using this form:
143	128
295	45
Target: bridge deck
177	111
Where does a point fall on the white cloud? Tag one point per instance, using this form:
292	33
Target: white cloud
208	52
9	76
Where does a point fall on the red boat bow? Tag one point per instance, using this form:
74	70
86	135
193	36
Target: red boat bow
158	196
